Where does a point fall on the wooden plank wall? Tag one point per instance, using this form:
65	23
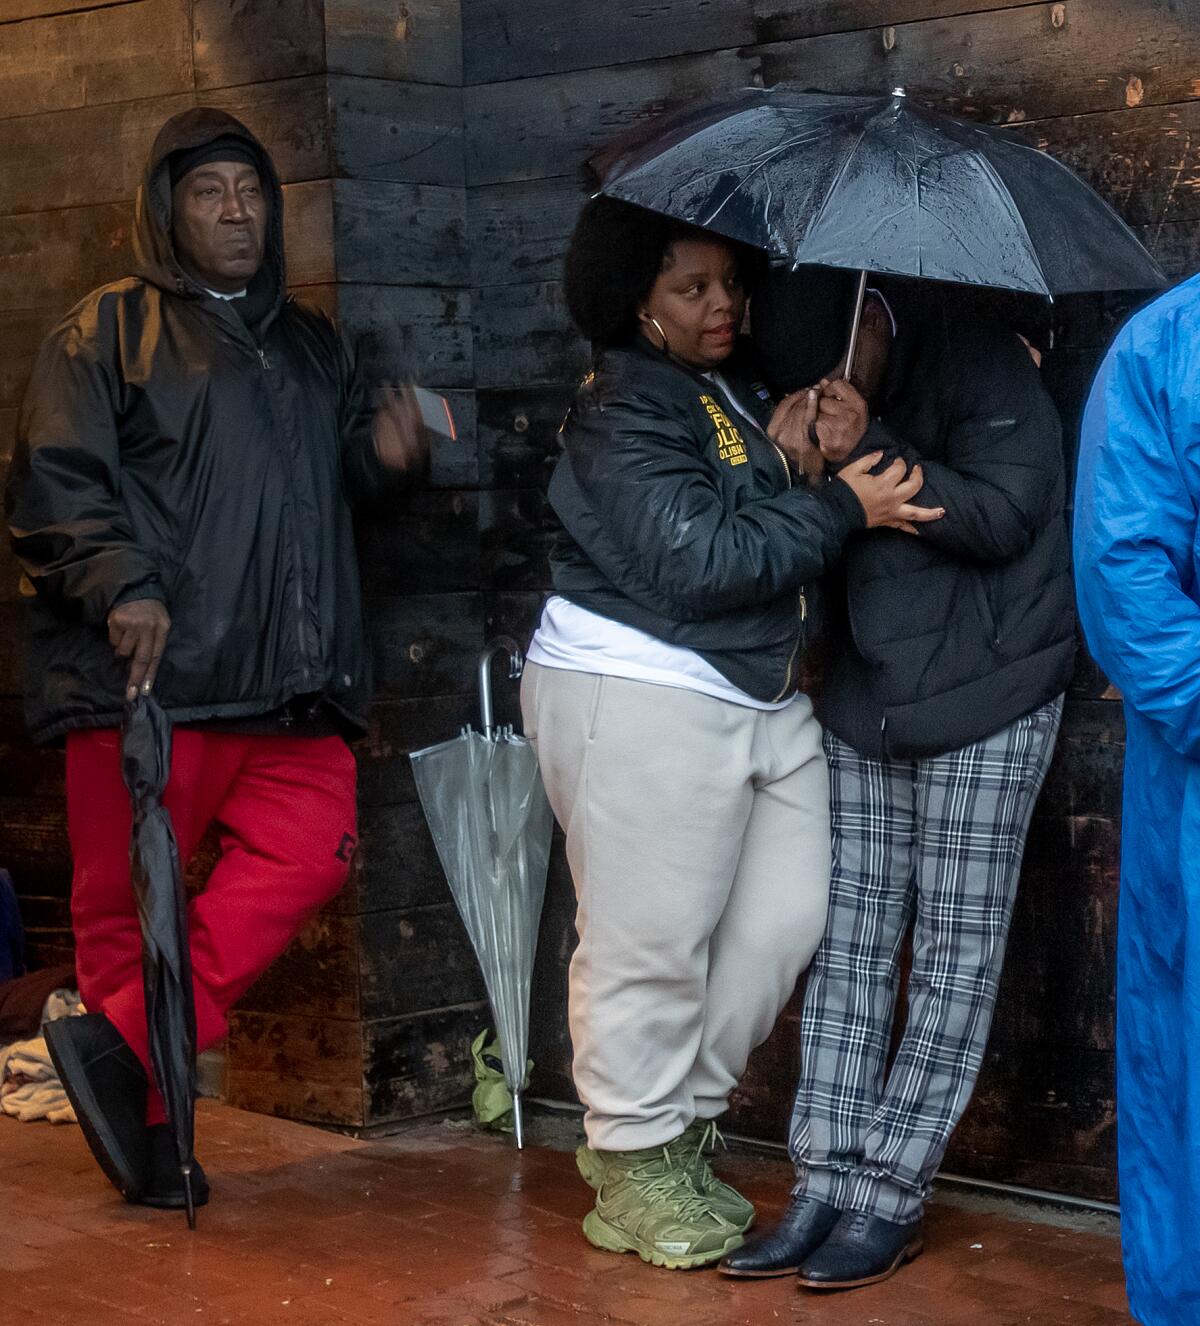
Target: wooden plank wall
1110	86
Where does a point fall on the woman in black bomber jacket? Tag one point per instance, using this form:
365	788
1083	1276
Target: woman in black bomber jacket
661	697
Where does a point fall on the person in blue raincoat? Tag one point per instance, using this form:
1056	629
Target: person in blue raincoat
1138	579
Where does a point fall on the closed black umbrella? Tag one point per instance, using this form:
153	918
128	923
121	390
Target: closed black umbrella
162	911
880	184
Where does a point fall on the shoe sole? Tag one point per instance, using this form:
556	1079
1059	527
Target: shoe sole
600	1234
117	1167
758	1275
172	1203
905	1256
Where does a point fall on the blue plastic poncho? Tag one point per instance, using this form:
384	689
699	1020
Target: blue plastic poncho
1138	576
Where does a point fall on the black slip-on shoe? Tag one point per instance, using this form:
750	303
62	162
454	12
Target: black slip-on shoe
781	1249
106	1085
862	1250
164	1181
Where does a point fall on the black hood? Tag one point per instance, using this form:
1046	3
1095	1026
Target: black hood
153	246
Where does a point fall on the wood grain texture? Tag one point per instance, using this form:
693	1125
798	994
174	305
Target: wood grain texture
781	20
506	39
398	727
416	960
425	644
421	1063
96	56
307	1068
97	154
255	41
21	11
433	548
419	41
523	335
408	331
518	232
317	975
1012	65
400	234
409	132
518	434
539	127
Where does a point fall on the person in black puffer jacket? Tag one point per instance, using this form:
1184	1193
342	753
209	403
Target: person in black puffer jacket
179	502
661	698
949	653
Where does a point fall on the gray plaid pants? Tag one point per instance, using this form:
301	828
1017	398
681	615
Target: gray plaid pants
935	843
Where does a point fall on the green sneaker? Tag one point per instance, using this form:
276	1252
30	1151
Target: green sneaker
689	1150
646	1204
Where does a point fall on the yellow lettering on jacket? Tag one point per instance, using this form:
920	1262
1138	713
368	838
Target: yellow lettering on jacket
730	447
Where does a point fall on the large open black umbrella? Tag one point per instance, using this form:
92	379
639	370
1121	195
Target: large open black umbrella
878	184
162	910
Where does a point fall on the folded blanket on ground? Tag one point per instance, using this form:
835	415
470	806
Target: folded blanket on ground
29	1085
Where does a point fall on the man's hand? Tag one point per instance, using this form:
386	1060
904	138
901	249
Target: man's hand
138	631
401	439
841	420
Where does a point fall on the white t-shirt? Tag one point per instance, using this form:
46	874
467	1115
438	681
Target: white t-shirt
578	640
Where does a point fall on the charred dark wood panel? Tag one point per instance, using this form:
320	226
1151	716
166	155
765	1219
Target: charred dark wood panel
419	1064
545	126
400	867
96	56
425	644
516	614
433	547
513	540
416	960
21	332
419	41
398	727
549	1037
519	231
316	977
308	1068
506	39
410	331
35	845
400	234
256	41
783	20
1011	65
523	335
410	132
518	434
1145	161
26	770
52	161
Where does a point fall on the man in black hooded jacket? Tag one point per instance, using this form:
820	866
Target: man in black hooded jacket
179	502
949	655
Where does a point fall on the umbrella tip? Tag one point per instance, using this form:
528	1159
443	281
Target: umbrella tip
188	1198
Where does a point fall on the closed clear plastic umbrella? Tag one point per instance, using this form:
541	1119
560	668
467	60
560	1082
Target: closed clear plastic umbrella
491	824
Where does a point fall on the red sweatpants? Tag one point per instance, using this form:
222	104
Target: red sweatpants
285	811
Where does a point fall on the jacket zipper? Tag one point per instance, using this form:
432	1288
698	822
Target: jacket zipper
802	604
301	630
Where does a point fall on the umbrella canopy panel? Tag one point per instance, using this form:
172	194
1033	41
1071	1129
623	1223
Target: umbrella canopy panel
879	183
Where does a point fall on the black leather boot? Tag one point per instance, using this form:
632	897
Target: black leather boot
862	1250
164	1182
106	1084
781	1249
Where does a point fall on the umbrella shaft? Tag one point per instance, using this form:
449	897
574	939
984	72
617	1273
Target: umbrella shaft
860	299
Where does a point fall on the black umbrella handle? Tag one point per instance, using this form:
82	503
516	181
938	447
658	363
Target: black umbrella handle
516	663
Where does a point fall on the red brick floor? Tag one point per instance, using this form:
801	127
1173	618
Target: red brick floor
443	1227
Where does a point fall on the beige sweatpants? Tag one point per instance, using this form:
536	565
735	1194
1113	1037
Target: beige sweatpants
698	840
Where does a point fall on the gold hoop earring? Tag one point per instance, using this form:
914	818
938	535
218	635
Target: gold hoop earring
665	347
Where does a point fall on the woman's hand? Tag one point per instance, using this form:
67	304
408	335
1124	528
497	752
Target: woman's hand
791	431
886	497
841	419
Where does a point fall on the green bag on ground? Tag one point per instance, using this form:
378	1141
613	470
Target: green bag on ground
491	1100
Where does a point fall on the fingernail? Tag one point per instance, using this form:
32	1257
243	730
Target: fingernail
145	688
131	693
